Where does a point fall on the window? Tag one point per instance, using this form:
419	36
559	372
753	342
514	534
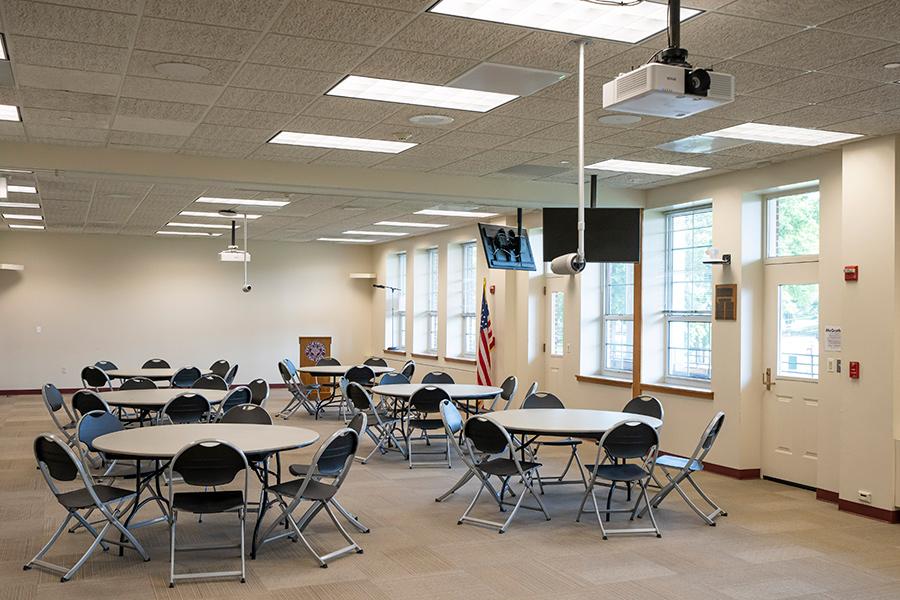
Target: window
396	337
688	309
557	323
469	311
618	317
798	330
792	224
431	309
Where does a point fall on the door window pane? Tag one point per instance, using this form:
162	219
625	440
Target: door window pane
793	224
798	330
557	323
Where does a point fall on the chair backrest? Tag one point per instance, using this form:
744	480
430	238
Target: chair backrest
486	436
53	400
630	439
236	397
375	361
393	378
648	406
106	365
335	455
209	463
95	377
259	391
231	374
427	399
358	395
55	459
360	374
138	383
450	415
85	401
507	392
220	368
328	361
408	369
248	414
185	377
156	363
437	377
94	424
542	400
531	389
210	382
186	408
708	438
358	423
285	371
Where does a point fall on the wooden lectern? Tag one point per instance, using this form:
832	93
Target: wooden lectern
313	348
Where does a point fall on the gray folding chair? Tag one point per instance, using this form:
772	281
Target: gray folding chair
490	439
409	368
626	440
678	469
65	421
58	464
437	377
231	374
375	361
185	377
453	425
381	423
156	363
259	391
95	378
531	390
547	400
220	368
332	461
210	382
508	387
187	407
648	406
138	383
207	463
236	397
85	401
424	402
300	393
106	365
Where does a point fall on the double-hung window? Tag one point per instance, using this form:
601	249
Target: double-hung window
688	312
431	308
397	301
618	318
469	312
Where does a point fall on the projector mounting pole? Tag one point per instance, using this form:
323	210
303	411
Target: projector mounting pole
245	248
674	54
581	44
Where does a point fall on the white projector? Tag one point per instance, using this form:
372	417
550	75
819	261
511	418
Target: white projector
672	91
232	254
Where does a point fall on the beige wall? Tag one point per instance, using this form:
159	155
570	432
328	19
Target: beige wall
127	299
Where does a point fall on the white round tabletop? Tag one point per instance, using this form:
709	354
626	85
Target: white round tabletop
340	370
565	422
457	391
166	440
154	374
150	399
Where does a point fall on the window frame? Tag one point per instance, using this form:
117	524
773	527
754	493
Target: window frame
767	231
606	317
469	318
432	270
671	316
398	300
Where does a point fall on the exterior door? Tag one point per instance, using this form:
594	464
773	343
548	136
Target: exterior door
791	373
556	334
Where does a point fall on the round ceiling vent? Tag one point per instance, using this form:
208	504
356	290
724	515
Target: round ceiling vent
619	119
182	70
431	120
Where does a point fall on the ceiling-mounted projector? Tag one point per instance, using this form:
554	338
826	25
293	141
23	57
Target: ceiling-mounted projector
672	91
234	254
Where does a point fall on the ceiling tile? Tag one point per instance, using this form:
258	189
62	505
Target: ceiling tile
283	152
193	39
597	151
280	79
460	117
813	116
137	138
880	20
352	109
68	79
227	13
555	51
246	118
469	139
813	49
123	6
752	76
691	126
67	55
725	36
544	109
450	36
63	100
146	125
535	144
880	99
569	131
68	23
65	117
238	134
880	124
623	62
219	148
307	53
387	63
389	131
797	12
424	158
501	125
307	124
813	87
640	138
283	102
746	108
158	109
871	66
143	63
567	89
62	132
170	91
341	21
351	158
761	150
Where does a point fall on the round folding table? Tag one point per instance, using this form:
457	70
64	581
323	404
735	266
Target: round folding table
565	422
152	374
339	370
149	400
458	392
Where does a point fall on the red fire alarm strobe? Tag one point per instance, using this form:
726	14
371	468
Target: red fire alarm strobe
851	273
854	369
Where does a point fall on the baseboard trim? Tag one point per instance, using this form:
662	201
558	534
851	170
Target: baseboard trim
826	496
802	486
723	470
37	392
873	512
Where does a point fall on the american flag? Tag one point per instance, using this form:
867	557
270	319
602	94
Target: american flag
485	341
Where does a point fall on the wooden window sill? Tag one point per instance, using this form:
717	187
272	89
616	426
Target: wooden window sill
460	359
424	355
397	352
678	390
625	383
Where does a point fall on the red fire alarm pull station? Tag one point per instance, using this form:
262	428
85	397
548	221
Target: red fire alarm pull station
851	273
854	369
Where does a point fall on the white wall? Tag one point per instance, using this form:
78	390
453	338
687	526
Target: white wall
127	299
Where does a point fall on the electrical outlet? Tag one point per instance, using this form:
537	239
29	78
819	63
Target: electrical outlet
830	362
865	496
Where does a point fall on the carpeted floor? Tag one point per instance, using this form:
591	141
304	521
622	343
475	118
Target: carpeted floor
777	542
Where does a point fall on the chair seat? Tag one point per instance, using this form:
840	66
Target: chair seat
208	502
78	499
563	442
624	472
301	470
128	470
506	466
677	462
315	491
428	424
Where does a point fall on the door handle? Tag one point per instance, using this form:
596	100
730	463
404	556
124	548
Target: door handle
767	379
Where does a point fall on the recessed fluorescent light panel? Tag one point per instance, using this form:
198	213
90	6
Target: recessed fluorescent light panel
410	224
420	94
701	144
242	202
351	240
12	226
647	168
192	233
9	112
201	225
315	140
23	217
22	189
19	205
592	19
380	233
3	54
197	213
780	134
455	213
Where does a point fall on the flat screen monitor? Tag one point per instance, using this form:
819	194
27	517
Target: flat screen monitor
610	234
504	248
